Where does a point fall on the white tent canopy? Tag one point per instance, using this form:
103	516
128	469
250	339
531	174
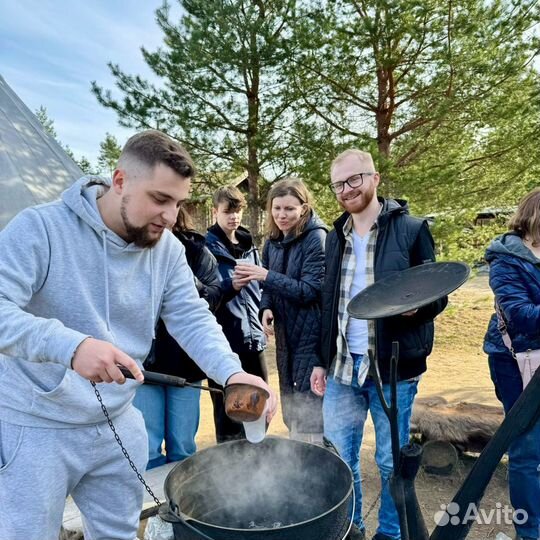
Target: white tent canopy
34	168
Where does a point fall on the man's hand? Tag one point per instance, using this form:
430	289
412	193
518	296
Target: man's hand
246	378
268	322
318	381
97	361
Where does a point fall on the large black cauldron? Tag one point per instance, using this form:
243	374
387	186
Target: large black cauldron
275	490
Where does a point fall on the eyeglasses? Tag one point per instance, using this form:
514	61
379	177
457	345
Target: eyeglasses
354	181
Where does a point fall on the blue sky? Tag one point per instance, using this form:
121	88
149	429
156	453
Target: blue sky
50	51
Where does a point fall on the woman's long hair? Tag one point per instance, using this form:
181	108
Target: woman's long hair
526	221
183	221
288	186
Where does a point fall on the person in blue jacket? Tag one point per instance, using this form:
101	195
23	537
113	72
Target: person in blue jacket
238	313
293	261
514	276
172	414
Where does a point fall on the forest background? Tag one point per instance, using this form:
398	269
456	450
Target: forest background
444	93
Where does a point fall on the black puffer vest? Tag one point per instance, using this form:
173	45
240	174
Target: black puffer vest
402	241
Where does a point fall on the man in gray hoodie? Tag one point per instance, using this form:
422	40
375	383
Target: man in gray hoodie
83	282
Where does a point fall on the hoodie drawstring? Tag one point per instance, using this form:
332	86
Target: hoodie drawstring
152	305
106	270
107	306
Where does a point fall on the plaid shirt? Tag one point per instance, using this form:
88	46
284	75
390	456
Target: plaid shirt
342	366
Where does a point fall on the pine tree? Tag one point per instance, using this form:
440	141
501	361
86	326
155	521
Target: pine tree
109	153
222	92
48	125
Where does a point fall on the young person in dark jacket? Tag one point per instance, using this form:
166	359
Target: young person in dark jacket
514	276
172	414
238	313
293	261
374	238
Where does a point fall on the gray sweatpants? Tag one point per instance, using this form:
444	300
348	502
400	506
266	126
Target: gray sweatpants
39	467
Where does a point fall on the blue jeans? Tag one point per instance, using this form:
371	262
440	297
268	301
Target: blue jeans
524	452
170	414
345	411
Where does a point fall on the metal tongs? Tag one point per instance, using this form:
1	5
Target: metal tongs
151	377
243	402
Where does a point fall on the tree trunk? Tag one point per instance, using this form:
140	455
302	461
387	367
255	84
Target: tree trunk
383	117
253	191
253	166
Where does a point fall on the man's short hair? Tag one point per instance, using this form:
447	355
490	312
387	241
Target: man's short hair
360	154
230	195
153	148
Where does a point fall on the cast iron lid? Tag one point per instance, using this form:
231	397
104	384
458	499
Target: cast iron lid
408	289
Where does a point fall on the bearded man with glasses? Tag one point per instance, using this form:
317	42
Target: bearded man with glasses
372	239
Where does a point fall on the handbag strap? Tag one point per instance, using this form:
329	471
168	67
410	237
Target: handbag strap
503	329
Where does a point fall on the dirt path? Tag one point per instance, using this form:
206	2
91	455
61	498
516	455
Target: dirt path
458	371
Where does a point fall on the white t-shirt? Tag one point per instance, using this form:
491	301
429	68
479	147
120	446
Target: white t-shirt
357	329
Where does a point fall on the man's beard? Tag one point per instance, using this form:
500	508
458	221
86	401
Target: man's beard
140	236
359	203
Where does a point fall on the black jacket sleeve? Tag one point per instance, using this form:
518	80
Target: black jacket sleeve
208	279
422	252
266	297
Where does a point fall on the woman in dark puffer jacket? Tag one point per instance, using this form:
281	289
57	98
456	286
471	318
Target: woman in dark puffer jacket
172	414
514	276
293	261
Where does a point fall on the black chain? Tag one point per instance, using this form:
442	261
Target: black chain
119	441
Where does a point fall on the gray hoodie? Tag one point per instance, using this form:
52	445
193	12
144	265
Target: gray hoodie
65	276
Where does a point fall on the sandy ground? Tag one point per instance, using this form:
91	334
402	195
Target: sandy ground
457	371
